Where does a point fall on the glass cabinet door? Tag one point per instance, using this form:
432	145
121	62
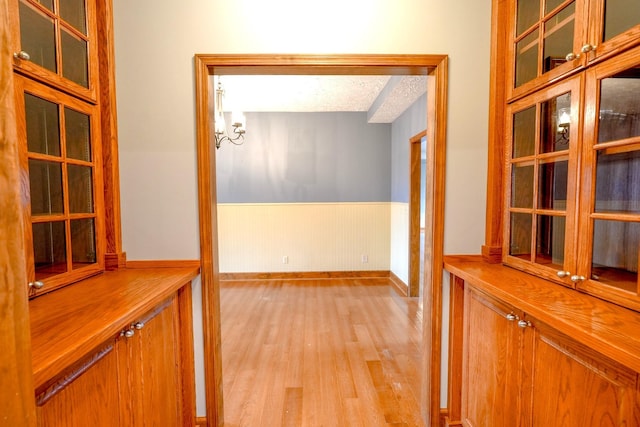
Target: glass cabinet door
57	154
54	41
611	233
545	43
615	25
542	162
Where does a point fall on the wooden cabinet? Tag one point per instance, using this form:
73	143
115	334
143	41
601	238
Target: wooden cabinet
62	170
520	370
150	368
59	128
87	395
127	358
492	353
551	38
572	211
56	43
567	383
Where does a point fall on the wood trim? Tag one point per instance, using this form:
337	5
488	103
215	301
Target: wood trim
304	275
208	248
415	170
201	421
187	263
114	256
184	325
456	341
437	85
115	261
398	285
17	401
492	248
436	67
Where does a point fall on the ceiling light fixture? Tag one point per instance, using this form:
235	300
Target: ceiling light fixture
238	122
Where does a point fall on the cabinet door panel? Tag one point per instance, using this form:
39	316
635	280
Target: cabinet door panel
491	363
574	386
150	368
91	399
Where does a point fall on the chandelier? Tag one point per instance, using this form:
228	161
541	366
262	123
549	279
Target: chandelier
237	119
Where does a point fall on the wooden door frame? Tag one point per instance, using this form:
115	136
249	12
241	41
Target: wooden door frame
433	66
415	196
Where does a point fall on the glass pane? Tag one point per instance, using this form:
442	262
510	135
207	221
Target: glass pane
80	189
550	241
551	4
558	37
615	253
520	236
78	135
524	133
49	249
46	3
37	37
555	124
618	182
527	58
45	179
528	14
522	186
619	16
83	242
619	116
74	59
43	132
74	13
552	188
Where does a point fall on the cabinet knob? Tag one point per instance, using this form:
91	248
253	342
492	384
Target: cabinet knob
563	273
138	325
22	55
587	48
128	333
524	323
36	285
575	278
511	317
571	56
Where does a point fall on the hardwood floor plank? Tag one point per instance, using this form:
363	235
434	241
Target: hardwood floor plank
331	352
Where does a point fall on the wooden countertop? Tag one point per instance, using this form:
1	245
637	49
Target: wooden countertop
612	330
70	323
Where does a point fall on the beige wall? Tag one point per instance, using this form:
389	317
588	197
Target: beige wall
155	44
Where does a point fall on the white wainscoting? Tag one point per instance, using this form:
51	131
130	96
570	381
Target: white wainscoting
313	236
400	241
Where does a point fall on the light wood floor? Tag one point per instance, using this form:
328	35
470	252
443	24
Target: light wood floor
331	352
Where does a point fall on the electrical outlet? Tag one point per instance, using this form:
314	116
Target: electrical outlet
285	259
365	259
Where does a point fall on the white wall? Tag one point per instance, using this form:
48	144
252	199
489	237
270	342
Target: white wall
155	44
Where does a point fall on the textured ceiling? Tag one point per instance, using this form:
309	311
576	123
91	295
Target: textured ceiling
384	98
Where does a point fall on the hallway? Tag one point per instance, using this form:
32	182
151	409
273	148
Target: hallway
329	352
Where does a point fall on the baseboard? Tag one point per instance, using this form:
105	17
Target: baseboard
306	275
162	263
201	421
398	285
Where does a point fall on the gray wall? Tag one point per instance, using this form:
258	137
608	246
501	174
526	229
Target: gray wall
410	123
306	157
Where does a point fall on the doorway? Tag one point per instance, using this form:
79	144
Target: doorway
435	68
